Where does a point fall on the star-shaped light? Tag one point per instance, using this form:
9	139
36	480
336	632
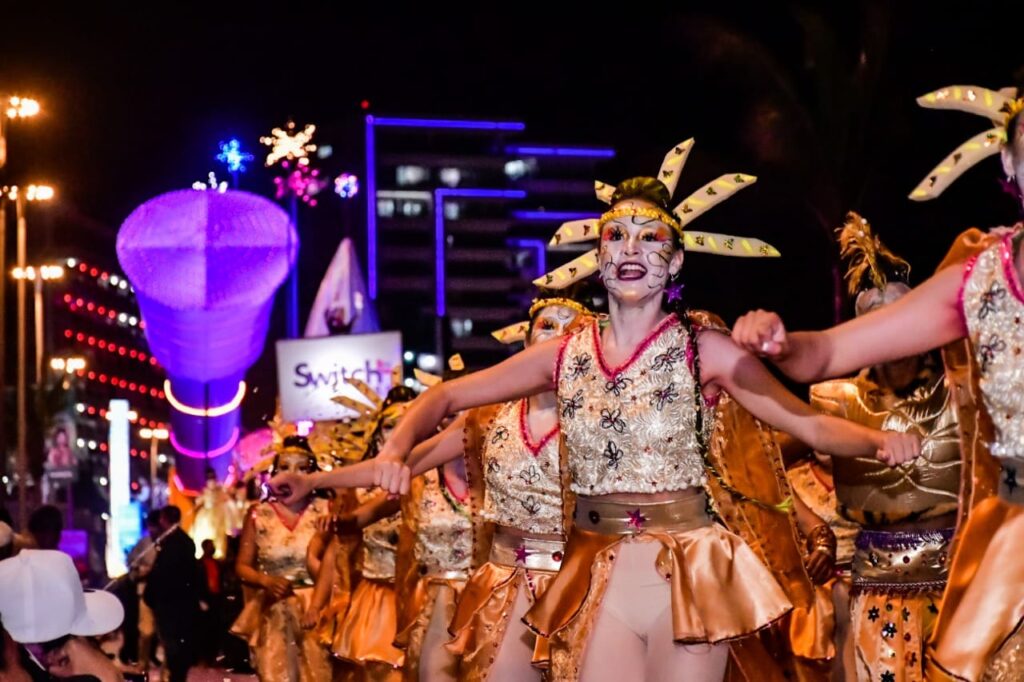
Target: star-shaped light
302	181
232	156
636	519
290	144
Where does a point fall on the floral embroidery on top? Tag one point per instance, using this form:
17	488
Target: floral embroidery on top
580	366
664	396
571	405
612	420
666	362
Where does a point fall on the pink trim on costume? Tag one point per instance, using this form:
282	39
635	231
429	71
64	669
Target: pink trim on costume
968	269
1009	268
557	374
651	338
524	429
291	527
461	499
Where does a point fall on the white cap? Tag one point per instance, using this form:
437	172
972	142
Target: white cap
41	599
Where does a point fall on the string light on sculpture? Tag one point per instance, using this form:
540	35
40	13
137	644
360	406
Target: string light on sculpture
233	156
346	185
210	184
79	305
218	411
118	382
290	144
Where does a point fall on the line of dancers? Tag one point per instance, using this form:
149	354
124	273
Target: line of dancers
634	496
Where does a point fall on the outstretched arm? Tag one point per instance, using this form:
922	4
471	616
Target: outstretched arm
926	318
728	367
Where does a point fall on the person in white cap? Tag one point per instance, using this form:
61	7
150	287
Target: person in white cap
42	603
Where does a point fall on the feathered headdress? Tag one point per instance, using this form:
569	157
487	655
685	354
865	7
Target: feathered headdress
869	262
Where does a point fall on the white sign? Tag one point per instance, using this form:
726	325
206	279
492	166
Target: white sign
312	371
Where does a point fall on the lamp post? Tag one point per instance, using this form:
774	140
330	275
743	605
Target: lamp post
21	197
17	108
39	275
154	436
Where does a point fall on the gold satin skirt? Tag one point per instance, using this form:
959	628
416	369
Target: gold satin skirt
366	635
983	606
484	609
720	591
419	608
280	649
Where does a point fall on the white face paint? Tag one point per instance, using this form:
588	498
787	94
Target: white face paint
637	256
550	322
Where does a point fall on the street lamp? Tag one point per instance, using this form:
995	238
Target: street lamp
17	108
21	197
39	275
154	436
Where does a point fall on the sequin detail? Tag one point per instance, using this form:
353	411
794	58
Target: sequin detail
630	429
444	536
523	486
380	543
281	551
994	311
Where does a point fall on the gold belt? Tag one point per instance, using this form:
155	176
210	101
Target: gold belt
631	518
526	551
901	561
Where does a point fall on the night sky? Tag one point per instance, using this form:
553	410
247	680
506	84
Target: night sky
819	103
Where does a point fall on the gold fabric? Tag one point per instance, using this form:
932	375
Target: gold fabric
720	590
483	613
523	488
993	309
984	603
434	550
605	517
901	561
630	429
533	553
745	453
280	550
822	501
444	535
280	648
366	635
380	543
889	632
872	493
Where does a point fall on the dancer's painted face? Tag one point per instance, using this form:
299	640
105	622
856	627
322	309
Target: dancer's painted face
637	256
294	462
550	322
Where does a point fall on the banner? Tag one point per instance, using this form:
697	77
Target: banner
310	372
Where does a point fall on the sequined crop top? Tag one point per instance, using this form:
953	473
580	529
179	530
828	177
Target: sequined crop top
380	542
993	310
524	489
872	493
280	549
630	429
444	534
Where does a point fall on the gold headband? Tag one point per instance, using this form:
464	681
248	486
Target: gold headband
651	212
540	304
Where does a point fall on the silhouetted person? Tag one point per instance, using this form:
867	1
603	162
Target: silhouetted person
45	525
172	591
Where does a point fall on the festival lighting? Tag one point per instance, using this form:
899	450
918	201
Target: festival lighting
205	267
233	156
290	144
22	107
346	185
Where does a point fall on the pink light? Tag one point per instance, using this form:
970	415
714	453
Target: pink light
212	454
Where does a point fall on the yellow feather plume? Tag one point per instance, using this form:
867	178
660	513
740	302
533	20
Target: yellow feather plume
865	254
